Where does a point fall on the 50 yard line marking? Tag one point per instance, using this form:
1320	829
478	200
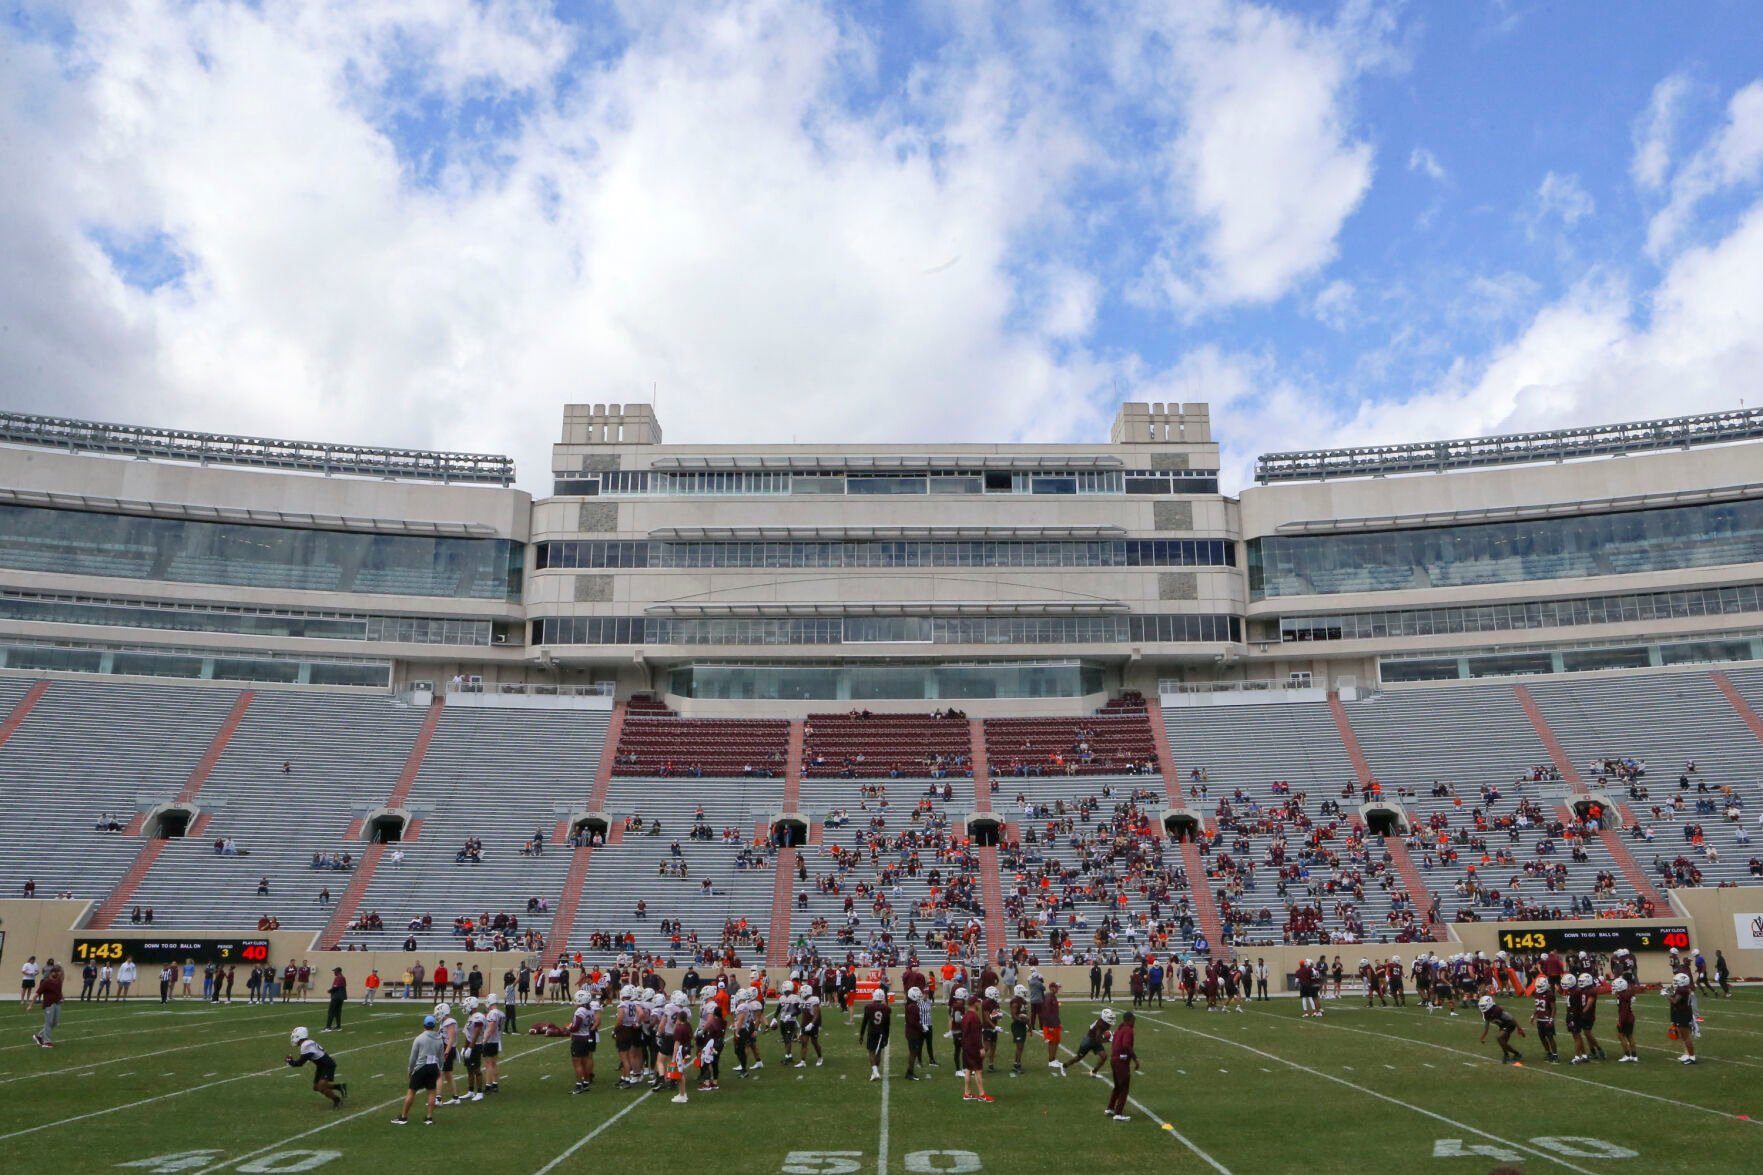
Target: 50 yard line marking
590	1136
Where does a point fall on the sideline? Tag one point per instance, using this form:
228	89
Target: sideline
1383	1097
81	1038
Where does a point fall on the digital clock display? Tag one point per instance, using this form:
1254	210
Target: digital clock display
171	950
1600	939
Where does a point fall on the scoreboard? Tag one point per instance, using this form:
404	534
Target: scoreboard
199	949
1599	939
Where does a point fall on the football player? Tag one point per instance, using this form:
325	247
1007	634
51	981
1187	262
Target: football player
1543	1016
1624	994
1494	1016
324	1066
584	1038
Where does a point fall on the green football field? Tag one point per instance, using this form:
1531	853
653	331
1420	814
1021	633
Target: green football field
192	1087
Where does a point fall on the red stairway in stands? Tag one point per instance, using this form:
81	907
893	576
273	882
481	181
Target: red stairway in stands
1612	841
991	874
370	856
777	946
1412	879
1199	885
569	902
106	914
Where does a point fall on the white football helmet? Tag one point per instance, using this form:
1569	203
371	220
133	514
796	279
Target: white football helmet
913	994
1683	980
1365	962
298	1035
678	999
442	1011
1569	982
1542	985
1620	986
961	993
991	993
1485	1002
493	999
470	1004
1021	990
1107	1015
1587	981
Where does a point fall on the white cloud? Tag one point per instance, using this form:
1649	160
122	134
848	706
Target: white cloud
1655	130
702	213
1602	353
1424	161
1334	304
1731	157
1560	197
1265	169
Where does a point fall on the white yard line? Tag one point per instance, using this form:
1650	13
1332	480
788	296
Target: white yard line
182	1048
375	1109
1383	1097
591	1135
1168	1126
1548	1071
147	1101
881	1153
82	1037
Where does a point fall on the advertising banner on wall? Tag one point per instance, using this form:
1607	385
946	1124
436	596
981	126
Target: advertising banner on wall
1749	929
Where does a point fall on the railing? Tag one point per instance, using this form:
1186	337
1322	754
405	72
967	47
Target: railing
1677	432
129	440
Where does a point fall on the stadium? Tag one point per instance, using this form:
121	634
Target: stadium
278	716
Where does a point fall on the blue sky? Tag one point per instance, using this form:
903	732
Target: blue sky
433	222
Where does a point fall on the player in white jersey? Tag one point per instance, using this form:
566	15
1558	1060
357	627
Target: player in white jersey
789	1009
811	1031
493	1021
472	1054
324	1067
584	1038
448	1028
626	1036
747	1010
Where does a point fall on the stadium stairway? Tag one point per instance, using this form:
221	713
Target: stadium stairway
339	750
370	857
84	749
1413	880
1193	862
503	777
1635	875
991	877
105	916
784	884
581	857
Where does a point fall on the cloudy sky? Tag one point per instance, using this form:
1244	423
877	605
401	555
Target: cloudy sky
433	222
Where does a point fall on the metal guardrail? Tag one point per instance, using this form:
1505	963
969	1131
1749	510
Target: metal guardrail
128	440
1676	432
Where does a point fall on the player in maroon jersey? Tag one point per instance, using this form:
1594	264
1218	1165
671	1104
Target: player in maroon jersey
1372	979
1543	997
970	1036
915	1031
1124	1061
1392	976
1624	993
1494	1016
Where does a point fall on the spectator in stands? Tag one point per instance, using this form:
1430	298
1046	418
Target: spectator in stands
263	886
324	896
30	889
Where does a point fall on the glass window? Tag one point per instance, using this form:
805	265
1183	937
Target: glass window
1054	485
1506	552
956	485
126	546
885	485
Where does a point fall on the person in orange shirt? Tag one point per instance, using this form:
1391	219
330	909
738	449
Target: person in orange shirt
370	987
